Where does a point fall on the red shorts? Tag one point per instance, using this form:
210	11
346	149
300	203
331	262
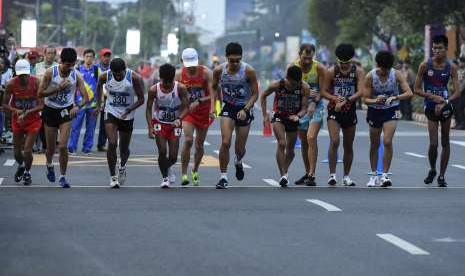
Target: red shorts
29	126
166	130
200	120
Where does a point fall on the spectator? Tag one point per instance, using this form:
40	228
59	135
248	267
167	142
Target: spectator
460	103
104	65
406	105
6	73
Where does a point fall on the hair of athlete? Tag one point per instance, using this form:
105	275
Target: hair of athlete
441	39
87	51
117	65
384	59
294	73
233	48
167	72
68	55
306	47
345	52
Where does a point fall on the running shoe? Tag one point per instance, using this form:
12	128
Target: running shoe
195	178
385	181
222	184
63	182
27	179
346	181
442	182
121	175
184	180
114	183
50	174
332	181
374	180
239	171
171	175
430	177
283	182
165	184
310	180
19	173
301	181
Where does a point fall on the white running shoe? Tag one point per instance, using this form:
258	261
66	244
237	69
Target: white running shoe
385	181
121	175
165	183
114	183
346	181
332	181
374	181
171	175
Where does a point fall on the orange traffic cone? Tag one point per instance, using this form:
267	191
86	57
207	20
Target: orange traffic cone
267	130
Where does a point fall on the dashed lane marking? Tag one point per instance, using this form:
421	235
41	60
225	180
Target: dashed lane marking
271	182
402	244
9	162
329	207
414	154
459	166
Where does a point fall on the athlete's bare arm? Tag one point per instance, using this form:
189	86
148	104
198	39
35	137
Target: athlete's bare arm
360	86
215	87
321	69
82	87
306	90
253	83
207	74
138	85
455	83
406	91
368	92
40	101
102	79
44	89
268	91
328	79
7	100
148	110
182	90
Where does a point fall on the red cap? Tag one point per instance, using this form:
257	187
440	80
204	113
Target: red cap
105	51
33	54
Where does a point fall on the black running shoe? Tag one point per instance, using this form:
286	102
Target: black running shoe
239	171
222	184
283	182
27	180
442	182
301	181
431	175
310	181
19	173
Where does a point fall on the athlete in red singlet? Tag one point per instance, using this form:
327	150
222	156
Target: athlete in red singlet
22	101
197	79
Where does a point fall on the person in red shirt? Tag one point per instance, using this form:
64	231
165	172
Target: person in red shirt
22	101
197	79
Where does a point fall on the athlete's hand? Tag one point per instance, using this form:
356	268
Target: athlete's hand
125	114
241	115
151	133
438	108
380	99
293	118
64	84
177	123
19	112
314	95
193	106
73	112
436	99
339	105
266	119
21	118
311	108
341	98
389	100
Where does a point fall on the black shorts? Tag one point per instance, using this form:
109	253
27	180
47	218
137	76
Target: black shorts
231	111
345	119
54	117
446	113
377	117
121	125
289	126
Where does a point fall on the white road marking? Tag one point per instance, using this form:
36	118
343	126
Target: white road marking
1	180
205	143
325	205
448	240
217	152
414	154
229	187
9	162
460	143
459	166
402	244
271	182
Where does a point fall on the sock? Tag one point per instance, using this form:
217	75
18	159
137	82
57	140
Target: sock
374	173
62	176
49	165
284	176
237	160
224	176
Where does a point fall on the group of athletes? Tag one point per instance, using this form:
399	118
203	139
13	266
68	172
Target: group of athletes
183	104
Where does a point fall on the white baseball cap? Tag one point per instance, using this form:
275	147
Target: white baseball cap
190	57
22	67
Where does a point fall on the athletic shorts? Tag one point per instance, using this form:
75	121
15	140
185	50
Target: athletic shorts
377	117
29	126
445	115
166	130
200	120
54	117
231	111
316	117
289	126
122	125
345	119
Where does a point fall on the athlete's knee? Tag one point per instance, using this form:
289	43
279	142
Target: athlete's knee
433	144
387	143
226	143
112	145
188	141
311	139
173	159
445	143
334	142
282	144
198	147
63	149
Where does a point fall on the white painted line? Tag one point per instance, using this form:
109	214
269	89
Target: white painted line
9	162
217	152
1	180
414	154
459	166
246	165
205	143
127	186
274	141
271	182
325	205
402	244
460	143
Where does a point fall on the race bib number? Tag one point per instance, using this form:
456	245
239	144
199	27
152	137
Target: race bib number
119	100
61	97
177	131
167	116
195	93
25	103
234	92
344	90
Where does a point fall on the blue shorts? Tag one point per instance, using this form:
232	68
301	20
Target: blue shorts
316	117
377	117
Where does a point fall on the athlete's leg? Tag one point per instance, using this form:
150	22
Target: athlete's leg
333	129
188	130
242	133
348	135
312	139
173	146
280	134
445	143
304	147
200	135
227	127
433	143
18	145
50	138
291	137
124	141
163	162
375	138
65	129
76	125
389	128
111	131
28	144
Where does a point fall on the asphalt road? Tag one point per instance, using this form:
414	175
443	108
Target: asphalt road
253	228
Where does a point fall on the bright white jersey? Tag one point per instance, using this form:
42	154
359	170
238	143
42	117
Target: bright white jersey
120	95
63	98
166	106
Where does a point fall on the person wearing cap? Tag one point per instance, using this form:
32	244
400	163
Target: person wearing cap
104	65
197	79
33	57
21	99
343	86
58	87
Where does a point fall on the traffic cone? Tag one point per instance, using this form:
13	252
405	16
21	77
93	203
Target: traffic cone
267	130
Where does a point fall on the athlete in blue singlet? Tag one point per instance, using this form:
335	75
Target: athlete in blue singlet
432	84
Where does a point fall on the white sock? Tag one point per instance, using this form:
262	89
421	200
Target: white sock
385	175
224	176
345	176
